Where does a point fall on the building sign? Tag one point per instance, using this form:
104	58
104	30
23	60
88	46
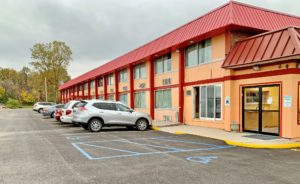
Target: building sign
287	101
227	101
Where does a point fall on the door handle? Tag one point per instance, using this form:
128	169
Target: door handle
101	112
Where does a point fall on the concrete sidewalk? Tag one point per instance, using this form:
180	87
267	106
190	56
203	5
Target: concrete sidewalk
250	140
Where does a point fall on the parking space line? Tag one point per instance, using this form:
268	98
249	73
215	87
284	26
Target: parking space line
115	149
87	155
151	145
132	154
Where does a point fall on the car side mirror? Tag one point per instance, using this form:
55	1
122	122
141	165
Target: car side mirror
131	111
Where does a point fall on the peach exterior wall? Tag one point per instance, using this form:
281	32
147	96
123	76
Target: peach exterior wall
290	128
202	72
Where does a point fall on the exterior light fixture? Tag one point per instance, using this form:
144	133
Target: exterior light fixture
177	50
298	65
191	41
256	68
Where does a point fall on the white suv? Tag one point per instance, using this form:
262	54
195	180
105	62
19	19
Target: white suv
39	106
92	115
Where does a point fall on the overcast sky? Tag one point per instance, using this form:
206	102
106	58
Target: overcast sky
99	30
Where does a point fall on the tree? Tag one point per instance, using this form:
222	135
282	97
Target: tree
51	61
2	94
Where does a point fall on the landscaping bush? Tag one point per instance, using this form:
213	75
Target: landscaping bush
13	103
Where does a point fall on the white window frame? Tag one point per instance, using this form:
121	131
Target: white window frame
206	118
110	79
170	99
202	43
123	76
139	67
145	100
163	60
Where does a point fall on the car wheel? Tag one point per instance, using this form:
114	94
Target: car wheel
85	127
95	125
142	124
52	115
40	110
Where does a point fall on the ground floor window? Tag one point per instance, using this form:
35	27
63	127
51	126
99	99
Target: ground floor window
140	100
101	97
163	99
111	97
123	98
207	101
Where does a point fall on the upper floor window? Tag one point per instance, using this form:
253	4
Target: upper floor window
140	71
163	64
100	82
123	76
85	86
198	53
92	84
110	79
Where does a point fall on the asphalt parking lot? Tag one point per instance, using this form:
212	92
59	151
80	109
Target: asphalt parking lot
40	150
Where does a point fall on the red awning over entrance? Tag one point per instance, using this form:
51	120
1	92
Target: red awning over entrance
274	46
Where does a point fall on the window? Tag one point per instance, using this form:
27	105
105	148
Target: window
85	86
92	84
110	79
209	101
101	97
111	97
123	76
140	100
163	64
106	106
198	53
123	108
100	82
140	71
163	99
123	98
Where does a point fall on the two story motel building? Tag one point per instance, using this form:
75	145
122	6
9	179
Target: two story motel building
236	67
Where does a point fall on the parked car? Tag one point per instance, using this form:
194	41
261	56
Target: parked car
39	106
50	111
67	111
92	115
58	113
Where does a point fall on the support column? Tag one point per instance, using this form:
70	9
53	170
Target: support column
116	85
89	90
82	91
151	87
181	85
131	88
104	87
61	97
96	88
69	94
77	87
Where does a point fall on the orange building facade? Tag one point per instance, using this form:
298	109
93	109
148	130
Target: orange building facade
229	69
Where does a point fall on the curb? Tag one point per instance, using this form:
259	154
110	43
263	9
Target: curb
155	128
263	146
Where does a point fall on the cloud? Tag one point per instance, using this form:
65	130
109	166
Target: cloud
97	30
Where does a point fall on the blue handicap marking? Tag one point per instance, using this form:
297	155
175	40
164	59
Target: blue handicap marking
202	159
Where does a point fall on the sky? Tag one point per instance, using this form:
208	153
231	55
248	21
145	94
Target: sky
98	31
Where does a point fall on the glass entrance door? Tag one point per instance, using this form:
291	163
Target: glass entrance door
261	109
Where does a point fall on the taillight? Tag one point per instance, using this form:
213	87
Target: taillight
68	112
82	109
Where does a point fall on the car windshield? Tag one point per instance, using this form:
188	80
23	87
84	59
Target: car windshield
67	105
80	104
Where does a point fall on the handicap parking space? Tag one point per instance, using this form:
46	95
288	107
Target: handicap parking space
104	146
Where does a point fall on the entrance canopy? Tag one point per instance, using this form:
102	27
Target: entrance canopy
270	47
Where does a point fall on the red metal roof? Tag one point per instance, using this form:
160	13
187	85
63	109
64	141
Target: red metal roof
230	14
268	47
